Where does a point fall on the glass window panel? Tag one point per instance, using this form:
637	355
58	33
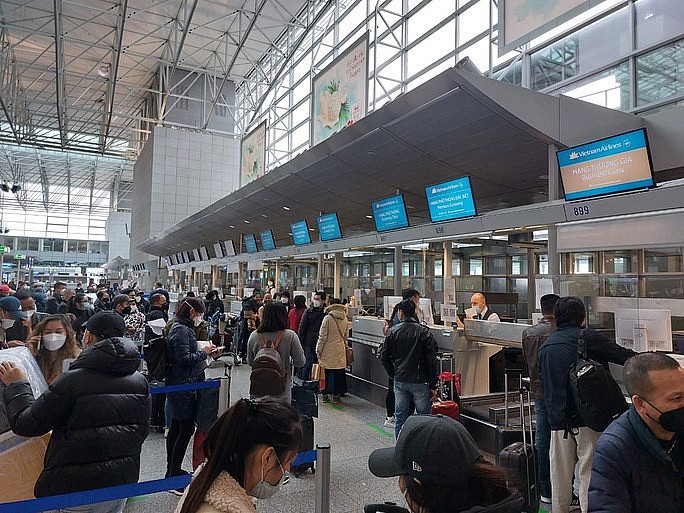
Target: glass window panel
666	260
429	16
475	266
495	284
519	264
456	267
429	73
435	46
301	135
352	19
472	22
478	53
616	262
33	244
620	286
671	287
660	74
609	88
496	265
301	113
658	20
72	246
583	263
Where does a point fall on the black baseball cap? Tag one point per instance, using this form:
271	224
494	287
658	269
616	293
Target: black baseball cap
106	324
431	448
12	306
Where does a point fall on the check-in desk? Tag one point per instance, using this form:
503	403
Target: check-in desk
367	377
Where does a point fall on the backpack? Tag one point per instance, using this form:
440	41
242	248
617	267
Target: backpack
268	374
597	398
154	353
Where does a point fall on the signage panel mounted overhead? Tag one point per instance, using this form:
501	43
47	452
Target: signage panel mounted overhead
218	250
615	164
390	213
203	253
250	243
329	227
196	255
230	248
267	240
300	233
450	200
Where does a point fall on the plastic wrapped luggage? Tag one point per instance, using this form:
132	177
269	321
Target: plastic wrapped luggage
305	397
306	445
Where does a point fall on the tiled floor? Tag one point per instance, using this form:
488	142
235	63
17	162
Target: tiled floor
353	430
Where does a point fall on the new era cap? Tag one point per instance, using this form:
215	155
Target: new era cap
431	448
106	324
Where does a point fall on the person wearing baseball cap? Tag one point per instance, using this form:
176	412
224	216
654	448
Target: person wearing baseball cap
441	470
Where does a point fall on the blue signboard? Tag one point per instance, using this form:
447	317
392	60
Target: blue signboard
615	164
390	213
450	200
250	243
329	227
267	241
300	233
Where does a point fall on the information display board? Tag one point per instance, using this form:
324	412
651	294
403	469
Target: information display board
267	240
203	253
195	255
230	248
218	250
329	227
616	164
300	233
174	259
390	213
250	243
451	200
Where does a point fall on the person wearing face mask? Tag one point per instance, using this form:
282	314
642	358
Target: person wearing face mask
52	342
249	449
102	397
10	314
309	327
102	303
270	288
572	442
185	365
285	299
213	304
638	464
53	303
142	303
134	319
441	470
478	303
22	330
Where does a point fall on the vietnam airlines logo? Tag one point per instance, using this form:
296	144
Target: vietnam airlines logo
434	190
574	155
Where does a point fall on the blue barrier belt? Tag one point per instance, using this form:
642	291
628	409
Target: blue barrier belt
209	383
305	457
94	496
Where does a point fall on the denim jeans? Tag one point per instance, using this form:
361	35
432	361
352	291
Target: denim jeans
116	506
542	444
406	395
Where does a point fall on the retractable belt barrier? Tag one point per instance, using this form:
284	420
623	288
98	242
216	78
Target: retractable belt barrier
157	485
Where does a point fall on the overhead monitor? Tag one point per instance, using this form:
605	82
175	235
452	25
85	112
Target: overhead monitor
267	240
218	250
230	248
179	258
390	213
616	164
250	243
203	253
451	200
186	257
329	227
300	233
174	260
167	261
195	255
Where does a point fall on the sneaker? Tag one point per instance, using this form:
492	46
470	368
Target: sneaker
325	398
336	399
390	422
166	432
177	491
545	500
575	504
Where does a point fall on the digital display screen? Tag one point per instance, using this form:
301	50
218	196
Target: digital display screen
300	233
230	248
218	250
195	255
390	213
267	241
174	260
186	257
329	227
167	261
203	253
616	164
450	200
250	243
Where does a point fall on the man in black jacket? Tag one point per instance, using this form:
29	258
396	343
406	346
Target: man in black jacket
409	356
98	412
54	302
571	441
309	327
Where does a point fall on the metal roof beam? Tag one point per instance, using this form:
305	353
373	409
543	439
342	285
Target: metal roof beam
44	182
59	74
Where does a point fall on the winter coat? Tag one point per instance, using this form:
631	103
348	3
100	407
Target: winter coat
310	325
409	353
98	412
556	357
514	503
632	472
294	319
289	348
186	364
225	495
332	338
532	339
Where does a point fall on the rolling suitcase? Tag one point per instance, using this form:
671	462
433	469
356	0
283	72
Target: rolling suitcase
306	445
520	459
305	396
446	408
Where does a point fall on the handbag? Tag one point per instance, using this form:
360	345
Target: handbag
317	372
348	351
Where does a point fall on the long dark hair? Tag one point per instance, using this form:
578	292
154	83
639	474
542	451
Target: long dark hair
485	486
274	317
299	302
183	310
246	425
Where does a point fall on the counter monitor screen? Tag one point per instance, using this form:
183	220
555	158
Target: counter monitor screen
267	240
451	200
230	248
300	233
390	213
329	227
250	243
218	250
615	164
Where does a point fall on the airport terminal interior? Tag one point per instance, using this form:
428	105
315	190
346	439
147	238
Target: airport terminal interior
358	147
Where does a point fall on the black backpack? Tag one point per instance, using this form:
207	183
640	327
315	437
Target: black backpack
268	376
597	398
154	353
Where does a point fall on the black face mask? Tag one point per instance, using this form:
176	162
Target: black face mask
165	307
672	421
126	310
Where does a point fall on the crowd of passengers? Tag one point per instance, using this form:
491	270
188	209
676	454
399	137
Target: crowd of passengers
99	410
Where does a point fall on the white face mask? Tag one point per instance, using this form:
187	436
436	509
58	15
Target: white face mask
8	323
138	299
284	300
29	313
266	490
198	320
53	341
316	303
477	308
133	308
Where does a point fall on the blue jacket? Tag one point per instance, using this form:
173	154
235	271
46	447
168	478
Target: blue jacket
632	472
185	360
556	357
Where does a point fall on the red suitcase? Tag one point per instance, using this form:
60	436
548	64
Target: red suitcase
446	408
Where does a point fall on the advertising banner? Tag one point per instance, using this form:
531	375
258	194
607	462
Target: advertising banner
340	92
253	155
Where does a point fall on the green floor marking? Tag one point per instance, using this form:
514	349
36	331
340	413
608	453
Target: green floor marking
379	429
335	406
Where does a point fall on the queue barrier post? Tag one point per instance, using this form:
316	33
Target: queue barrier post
322	478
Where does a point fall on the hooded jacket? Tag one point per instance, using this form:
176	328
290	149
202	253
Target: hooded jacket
310	325
98	412
225	495
331	347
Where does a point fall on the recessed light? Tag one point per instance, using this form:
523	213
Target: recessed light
246	222
369	217
286	208
311	229
232	226
264	215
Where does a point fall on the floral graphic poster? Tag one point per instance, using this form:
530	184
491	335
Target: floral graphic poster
253	155
340	92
